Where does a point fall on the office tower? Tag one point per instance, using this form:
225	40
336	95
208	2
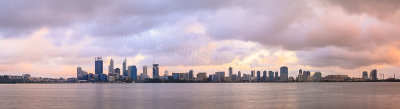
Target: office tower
221	75
317	76
239	75
80	74
98	66
190	74
132	72
252	73
365	74
276	76
258	76
155	71
271	75
373	74
230	71
124	71
264	77
284	73
111	70
145	70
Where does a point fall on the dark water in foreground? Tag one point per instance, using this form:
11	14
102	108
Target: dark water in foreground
201	96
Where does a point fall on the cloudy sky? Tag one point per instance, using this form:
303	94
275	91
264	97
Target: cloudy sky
50	38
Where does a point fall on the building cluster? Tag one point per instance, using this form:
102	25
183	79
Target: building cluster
130	74
127	74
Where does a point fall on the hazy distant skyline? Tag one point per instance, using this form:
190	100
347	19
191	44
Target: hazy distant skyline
51	38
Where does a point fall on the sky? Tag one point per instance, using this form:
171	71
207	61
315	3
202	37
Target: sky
50	38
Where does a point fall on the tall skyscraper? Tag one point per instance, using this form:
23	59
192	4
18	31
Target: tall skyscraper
111	70
132	72
98	65
373	74
230	71
190	74
284	73
276	76
258	76
271	75
124	71
365	74
239	75
252	73
156	71
145	70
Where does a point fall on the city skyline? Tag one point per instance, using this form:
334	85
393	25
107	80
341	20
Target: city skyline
332	37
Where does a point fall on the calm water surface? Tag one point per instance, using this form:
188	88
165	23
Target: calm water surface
201	96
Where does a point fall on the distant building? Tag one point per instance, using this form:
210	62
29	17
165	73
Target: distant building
216	78
230	71
239	75
155	71
264	77
270	75
111	70
98	66
124	71
201	75
253	73
258	76
145	70
317	76
337	78
246	77
276	76
221	75
132	72
284	73
365	75
80	74
373	74
191	74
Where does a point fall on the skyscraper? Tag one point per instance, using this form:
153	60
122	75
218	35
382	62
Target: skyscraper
264	77
252	73
373	74
145	70
258	76
276	76
284	73
230	71
190	74
111	70
365	74
124	71
98	66
133	72
155	71
239	75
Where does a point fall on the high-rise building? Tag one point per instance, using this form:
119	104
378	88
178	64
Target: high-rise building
239	75
117	71
365	74
230	71
98	66
373	74
284	73
145	70
300	72
276	76
258	76
111	70
155	71
264	77
132	72
252	73
124	71
80	74
190	74
271	75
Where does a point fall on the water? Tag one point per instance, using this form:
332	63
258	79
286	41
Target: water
201	96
